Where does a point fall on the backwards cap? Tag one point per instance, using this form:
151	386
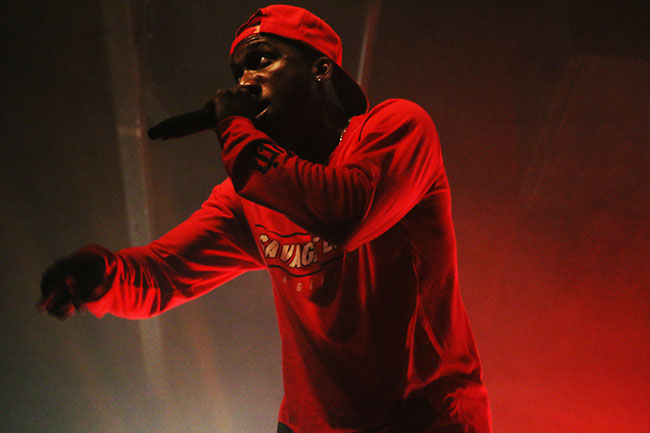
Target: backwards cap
301	25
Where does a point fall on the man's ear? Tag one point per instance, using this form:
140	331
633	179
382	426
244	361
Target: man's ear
322	68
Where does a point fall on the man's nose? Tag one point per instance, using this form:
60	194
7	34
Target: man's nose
247	79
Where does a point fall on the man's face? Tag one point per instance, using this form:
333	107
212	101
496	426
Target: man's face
280	75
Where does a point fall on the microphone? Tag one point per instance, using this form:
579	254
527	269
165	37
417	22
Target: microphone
185	124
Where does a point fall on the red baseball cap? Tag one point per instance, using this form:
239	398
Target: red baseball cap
299	24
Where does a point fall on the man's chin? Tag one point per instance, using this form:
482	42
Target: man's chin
276	127
262	121
266	122
262	115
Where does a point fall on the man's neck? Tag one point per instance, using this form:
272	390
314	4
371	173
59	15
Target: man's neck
317	141
324	139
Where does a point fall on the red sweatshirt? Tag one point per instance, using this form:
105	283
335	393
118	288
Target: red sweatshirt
362	257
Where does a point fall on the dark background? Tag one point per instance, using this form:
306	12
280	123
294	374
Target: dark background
542	109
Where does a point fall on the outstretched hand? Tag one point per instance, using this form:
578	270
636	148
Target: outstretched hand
70	283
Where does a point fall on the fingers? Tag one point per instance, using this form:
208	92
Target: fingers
253	90
70	283
59	303
241	101
59	291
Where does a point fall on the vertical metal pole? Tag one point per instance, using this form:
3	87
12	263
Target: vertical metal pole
124	62
369	32
544	141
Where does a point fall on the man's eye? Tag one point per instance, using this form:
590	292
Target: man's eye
261	62
252	63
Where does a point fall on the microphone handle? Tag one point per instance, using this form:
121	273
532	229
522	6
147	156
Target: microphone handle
185	124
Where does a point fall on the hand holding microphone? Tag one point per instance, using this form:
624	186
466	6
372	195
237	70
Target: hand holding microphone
241	101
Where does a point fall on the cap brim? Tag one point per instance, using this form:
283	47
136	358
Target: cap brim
352	96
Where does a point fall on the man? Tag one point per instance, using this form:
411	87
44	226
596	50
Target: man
348	210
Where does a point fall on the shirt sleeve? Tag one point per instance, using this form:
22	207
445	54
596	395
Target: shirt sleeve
393	161
210	248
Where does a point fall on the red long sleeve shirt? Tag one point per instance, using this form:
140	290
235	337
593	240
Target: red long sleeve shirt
362	257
